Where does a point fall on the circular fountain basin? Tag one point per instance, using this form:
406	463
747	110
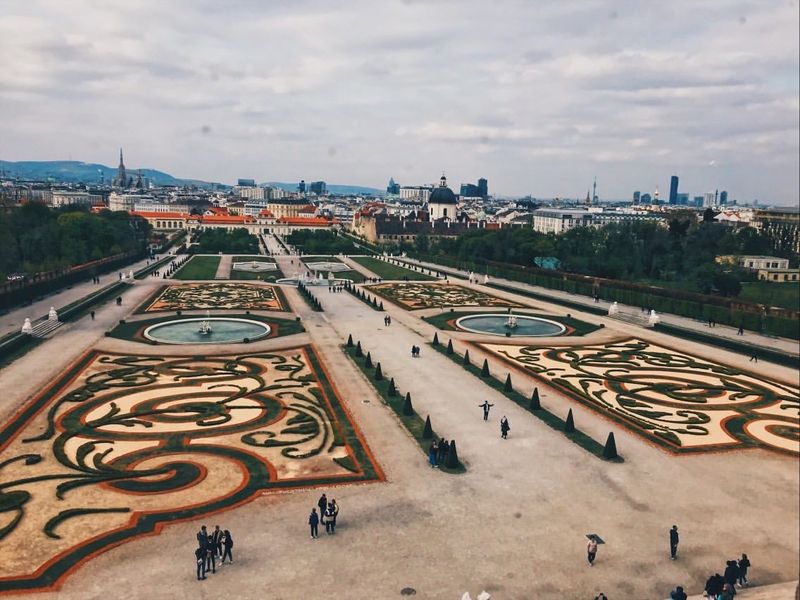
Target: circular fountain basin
223	331
495	324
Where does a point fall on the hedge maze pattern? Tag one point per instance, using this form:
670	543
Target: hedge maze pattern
415	295
680	401
120	445
209	296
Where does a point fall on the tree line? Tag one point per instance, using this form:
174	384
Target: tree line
35	238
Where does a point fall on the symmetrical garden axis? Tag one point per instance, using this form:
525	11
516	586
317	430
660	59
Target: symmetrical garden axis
120	445
683	402
210	296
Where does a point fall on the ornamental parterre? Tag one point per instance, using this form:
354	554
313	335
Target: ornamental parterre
682	402
210	296
120	445
415	295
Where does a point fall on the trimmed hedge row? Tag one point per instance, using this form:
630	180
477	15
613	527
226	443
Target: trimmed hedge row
145	271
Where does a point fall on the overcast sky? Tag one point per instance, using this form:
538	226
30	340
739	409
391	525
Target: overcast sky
538	97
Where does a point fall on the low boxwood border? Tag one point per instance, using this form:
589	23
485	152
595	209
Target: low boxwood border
444	321
370	301
554	422
414	424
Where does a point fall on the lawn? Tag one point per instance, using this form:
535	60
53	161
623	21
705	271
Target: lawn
271	276
199	267
785	295
388	271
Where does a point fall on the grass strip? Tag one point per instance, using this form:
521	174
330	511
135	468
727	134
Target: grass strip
581	439
199	267
414	424
392	272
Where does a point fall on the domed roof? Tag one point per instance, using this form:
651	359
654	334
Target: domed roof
442	194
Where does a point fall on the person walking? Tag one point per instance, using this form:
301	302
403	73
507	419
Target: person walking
329	520
486	406
673	542
211	561
92	315
754	358
200	556
731	573
333	509
741	330
591	551
202	538
322	503
601	596
433	451
714	586
313	522
744	564
504	428
227	541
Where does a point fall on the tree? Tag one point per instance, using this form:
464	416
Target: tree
378	372
368	361
535	405
408	409
452	461
508	387
427	430
569	424
392	390
610	449
485	369
450	347
466	357
727	283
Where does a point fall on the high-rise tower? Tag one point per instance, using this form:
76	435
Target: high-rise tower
673	190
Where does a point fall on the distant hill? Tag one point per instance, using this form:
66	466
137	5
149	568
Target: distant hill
80	172
343	190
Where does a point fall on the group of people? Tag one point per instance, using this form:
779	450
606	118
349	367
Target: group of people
387	320
438	451
218	545
723	587
415	350
328	511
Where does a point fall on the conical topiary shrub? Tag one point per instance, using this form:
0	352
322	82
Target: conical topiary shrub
569	424
368	362
350	341
359	352
450	346
508	387
381	305
466	357
452	457
436	339
535	405
610	449
392	389
378	372
408	409
485	368
427	431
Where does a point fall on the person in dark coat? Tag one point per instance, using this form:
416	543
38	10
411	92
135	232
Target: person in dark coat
673	542
333	512
322	503
678	594
744	564
486	406
504	428
202	538
216	541
713	585
200	556
313	522
227	542
731	573
433	453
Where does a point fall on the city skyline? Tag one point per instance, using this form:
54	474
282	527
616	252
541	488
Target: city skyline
538	99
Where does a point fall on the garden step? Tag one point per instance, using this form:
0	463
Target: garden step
45	327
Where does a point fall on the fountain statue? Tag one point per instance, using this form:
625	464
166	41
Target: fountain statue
27	327
205	327
330	277
52	315
486	279
130	274
653	319
511	322
613	309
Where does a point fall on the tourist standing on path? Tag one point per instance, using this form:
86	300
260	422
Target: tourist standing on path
678	594
741	330
754	358
744	564
313	522
591	551
486	406
731	573
228	543
322	503
714	586
504	428
433	451
202	538
333	508
673	542
92	315
216	541
200	556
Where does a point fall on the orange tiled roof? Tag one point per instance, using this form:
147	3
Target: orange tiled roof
265	213
311	221
227	219
159	215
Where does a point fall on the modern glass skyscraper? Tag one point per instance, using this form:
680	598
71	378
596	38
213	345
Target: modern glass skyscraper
673	190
